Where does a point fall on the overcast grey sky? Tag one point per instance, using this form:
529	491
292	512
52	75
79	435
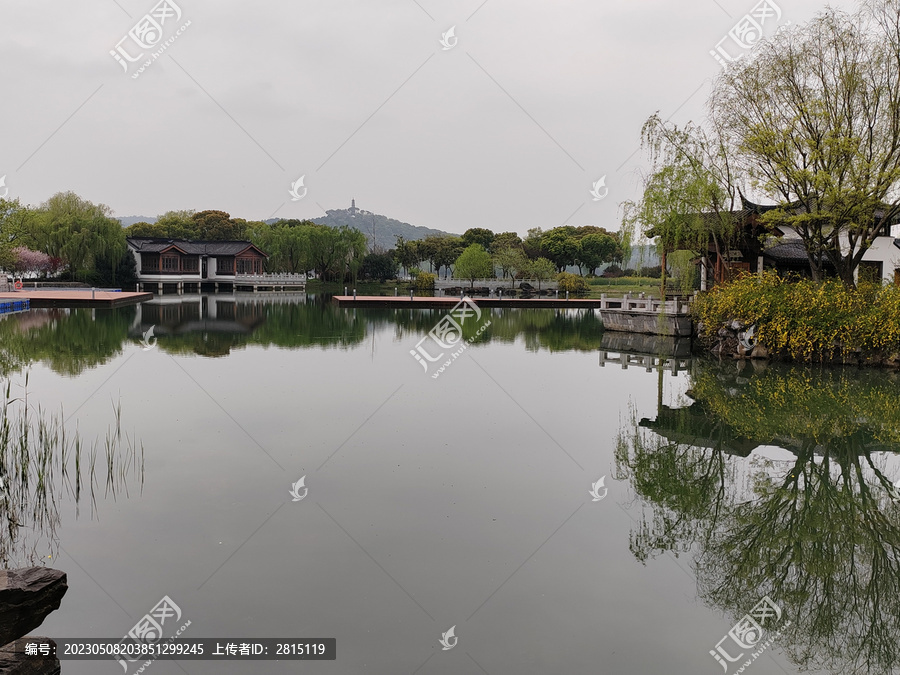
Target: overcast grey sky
508	129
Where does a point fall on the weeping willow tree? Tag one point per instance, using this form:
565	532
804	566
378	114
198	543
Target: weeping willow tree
814	118
689	196
14	223
80	232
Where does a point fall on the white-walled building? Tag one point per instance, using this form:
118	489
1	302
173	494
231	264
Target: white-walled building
182	262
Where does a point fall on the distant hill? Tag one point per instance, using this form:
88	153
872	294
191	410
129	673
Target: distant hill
386	230
127	221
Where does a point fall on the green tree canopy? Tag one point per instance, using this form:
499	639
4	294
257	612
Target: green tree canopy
218	226
15	226
474	263
336	253
541	269
595	250
560	245
178	225
813	120
407	253
448	250
505	240
478	235
511	261
532	243
79	232
380	266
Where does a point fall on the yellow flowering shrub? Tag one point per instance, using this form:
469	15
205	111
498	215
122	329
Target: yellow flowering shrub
806	320
572	283
425	281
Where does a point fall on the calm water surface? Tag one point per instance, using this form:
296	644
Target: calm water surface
464	500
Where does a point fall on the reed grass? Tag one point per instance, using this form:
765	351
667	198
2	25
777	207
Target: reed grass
36	474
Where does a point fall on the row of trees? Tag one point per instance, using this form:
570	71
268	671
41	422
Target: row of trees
294	246
587	247
71	234
208	225
65	233
811	121
335	253
475	262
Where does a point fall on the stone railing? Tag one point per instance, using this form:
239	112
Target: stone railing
271	279
641	303
494	283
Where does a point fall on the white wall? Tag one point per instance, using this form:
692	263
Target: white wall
884	251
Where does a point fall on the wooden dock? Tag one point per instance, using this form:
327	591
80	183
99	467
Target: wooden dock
79	298
401	302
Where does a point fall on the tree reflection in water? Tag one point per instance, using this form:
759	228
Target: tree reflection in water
819	533
70	341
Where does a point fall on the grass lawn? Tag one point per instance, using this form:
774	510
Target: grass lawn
622	285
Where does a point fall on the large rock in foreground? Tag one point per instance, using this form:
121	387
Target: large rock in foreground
27	596
14	662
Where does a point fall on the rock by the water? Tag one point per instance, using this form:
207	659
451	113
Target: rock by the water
27	596
759	352
525	286
14	662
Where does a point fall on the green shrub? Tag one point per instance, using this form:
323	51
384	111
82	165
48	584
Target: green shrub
425	281
806	320
572	283
613	271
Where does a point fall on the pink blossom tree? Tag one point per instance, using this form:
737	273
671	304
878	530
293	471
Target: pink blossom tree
28	261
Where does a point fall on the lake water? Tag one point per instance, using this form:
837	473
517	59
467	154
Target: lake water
471	500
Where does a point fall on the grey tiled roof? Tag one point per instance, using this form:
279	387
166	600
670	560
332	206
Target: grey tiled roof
788	251
157	244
